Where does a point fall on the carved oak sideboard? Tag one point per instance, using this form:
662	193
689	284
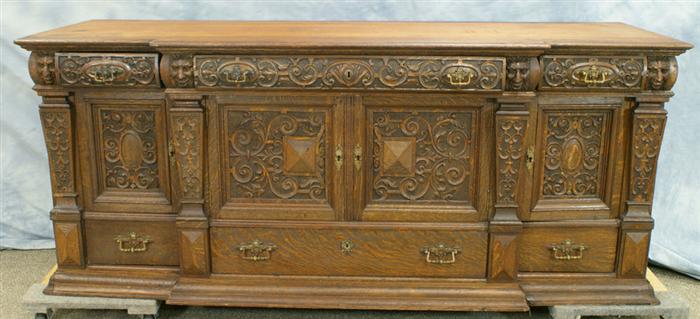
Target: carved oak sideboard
377	165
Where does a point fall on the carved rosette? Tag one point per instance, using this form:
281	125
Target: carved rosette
522	73
510	135
42	68
110	70
647	135
177	70
600	72
399	73
187	150
57	134
662	73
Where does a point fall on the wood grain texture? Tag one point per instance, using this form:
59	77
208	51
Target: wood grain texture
142	34
103	249
599	238
375	252
356	165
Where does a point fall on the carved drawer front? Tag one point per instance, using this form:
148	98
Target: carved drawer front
125	159
108	69
574	247
349	251
279	157
419	163
575	162
114	242
592	72
342	72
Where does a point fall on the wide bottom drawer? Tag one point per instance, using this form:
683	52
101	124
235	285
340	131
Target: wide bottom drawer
349	251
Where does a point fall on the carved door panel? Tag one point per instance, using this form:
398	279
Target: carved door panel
420	158
123	157
276	157
577	159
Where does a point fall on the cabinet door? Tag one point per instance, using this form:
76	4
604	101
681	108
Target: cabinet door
123	151
578	154
420	158
277	156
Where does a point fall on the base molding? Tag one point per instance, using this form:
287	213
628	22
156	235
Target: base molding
348	293
137	282
594	291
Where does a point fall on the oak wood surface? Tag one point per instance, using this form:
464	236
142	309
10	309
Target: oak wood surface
357	165
296	34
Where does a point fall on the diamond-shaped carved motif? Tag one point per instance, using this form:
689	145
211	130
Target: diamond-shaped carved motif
300	155
399	156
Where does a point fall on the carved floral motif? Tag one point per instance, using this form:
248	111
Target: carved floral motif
421	155
129	149
275	155
432	73
510	135
108	70
593	72
187	153
646	145
573	152
56	125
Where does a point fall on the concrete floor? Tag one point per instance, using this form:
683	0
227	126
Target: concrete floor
20	269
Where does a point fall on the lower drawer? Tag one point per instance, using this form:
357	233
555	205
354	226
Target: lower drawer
349	251
581	246
114	242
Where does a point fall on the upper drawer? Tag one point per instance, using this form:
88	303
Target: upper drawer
366	250
566	72
342	72
107	69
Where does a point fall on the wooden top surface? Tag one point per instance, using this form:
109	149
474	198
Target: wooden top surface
153	35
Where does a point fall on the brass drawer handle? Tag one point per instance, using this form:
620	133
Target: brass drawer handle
593	75
441	254
567	250
256	250
460	77
338	156
357	156
132	243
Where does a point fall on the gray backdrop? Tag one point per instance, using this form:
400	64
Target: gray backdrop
25	197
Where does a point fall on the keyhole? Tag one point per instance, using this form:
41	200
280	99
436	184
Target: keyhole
348	74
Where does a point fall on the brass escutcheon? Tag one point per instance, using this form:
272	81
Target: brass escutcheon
530	158
346	246
338	156
357	156
132	243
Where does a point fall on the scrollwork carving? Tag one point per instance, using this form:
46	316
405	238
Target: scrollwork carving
187	151
421	155
88	69
573	153
401	73
510	135
646	146
129	149
56	125
593	72
277	155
